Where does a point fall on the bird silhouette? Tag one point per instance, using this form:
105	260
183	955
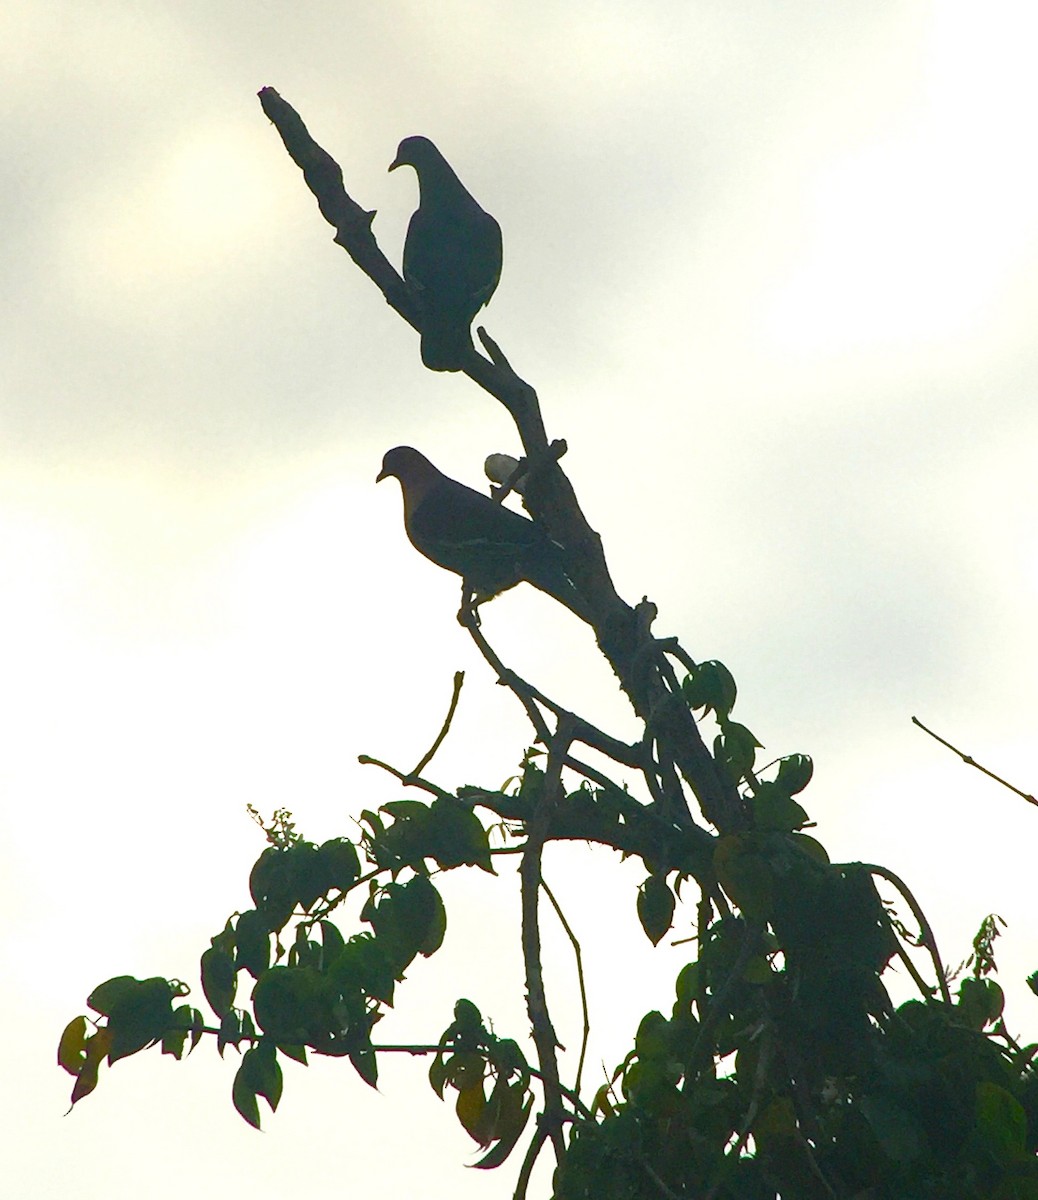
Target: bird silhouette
452	255
491	547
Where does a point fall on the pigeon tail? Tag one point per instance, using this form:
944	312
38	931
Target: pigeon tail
548	575
446	340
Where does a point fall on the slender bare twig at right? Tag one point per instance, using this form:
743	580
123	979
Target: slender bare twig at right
972	762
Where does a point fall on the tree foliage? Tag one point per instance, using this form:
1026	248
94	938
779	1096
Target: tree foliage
779	1067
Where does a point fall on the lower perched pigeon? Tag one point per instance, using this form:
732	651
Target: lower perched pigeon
452	255
491	547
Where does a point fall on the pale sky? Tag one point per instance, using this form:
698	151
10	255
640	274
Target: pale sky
772	269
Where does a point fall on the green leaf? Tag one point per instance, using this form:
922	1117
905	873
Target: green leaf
304	952
471	1107
655	907
364	967
106	997
735	749
1001	1123
219	979
231	1031
773	809
686	988
794	773
652	1039
980	1002
138	1015
711	686
270	883
339	864
243	1093
331	942
366	1064
72	1047
438	1075
186	1021
409	918
307	873
457	837
467	1018
811	847
294	1005
405	810
97	1048
252	943
745	875
510	1133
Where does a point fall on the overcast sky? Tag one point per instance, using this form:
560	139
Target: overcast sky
772	271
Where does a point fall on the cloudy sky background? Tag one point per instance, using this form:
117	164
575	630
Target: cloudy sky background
772	271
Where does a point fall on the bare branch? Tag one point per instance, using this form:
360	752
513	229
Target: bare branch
972	762
459	679
410	779
926	933
544	1035
580	982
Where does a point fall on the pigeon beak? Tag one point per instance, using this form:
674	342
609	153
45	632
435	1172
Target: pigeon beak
394	164
380	476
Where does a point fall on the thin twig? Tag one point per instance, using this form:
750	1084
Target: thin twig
580	982
544	1035
582	730
673	647
925	932
459	679
658	1183
532	1153
913	970
366	760
972	762
505	677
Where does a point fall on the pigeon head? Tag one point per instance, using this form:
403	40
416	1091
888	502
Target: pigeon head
408	465
417	152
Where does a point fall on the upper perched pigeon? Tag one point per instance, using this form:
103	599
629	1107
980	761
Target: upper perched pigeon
491	547
452	255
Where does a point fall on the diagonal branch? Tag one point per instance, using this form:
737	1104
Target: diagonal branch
622	632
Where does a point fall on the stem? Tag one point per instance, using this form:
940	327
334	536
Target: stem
580	982
925	932
459	679
972	762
